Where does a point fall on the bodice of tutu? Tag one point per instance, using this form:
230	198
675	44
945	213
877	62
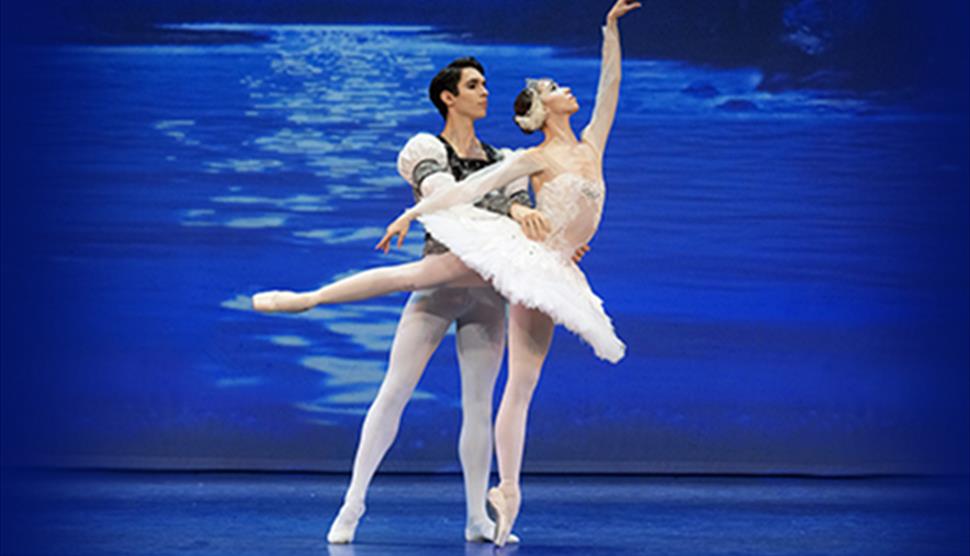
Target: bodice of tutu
573	205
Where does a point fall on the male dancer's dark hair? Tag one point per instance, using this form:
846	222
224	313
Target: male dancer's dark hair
447	80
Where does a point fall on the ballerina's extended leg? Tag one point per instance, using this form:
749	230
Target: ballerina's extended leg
431	271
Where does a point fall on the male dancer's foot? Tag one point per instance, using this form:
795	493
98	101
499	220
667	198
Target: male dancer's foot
484	531
504	501
276	301
345	524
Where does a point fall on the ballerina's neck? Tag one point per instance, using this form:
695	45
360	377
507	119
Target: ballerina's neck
558	132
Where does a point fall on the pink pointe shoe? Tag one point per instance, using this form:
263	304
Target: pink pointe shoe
506	508
278	301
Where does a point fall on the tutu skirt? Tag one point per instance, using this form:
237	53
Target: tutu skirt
527	272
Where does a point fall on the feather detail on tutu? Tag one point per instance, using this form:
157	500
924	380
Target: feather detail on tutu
527	272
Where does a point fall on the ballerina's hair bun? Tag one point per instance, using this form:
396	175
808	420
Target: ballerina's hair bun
530	113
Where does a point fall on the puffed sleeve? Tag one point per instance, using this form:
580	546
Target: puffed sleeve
423	163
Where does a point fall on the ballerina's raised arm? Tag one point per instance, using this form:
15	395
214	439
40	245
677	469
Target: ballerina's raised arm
597	130
530	161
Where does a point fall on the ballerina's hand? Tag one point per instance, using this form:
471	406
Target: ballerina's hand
621	8
398	228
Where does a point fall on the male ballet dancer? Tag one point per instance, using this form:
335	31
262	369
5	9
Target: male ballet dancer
459	93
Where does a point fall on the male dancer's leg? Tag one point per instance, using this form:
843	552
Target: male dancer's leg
423	324
481	342
530	334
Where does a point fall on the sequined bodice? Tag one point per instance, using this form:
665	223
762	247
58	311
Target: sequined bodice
573	205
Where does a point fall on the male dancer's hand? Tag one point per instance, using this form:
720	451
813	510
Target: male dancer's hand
580	253
534	224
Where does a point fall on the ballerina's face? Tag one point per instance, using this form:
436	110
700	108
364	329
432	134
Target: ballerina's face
558	100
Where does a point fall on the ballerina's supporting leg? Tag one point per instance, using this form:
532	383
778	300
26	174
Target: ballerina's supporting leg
530	334
429	272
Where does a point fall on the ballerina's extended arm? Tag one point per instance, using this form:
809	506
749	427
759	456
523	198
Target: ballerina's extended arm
431	271
597	130
474	187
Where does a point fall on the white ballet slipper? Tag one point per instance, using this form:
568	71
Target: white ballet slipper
506	510
344	526
281	301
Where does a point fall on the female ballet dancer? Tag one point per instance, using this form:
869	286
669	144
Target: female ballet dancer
540	280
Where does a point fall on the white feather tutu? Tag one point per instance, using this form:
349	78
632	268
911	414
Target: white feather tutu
526	272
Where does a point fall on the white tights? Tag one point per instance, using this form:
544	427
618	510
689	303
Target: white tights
430	272
480	337
530	334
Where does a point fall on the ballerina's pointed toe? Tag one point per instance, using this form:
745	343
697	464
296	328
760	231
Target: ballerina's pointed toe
506	509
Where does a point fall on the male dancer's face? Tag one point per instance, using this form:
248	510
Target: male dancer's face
472	98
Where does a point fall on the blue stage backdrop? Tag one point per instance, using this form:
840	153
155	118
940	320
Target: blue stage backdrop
784	247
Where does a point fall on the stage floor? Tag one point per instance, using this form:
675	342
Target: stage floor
86	513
